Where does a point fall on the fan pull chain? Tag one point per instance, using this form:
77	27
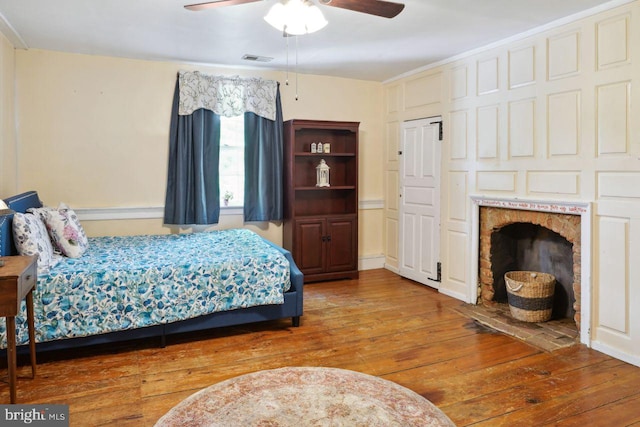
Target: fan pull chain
287	39
286	36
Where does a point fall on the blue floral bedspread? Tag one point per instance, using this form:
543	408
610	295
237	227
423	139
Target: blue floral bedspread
135	281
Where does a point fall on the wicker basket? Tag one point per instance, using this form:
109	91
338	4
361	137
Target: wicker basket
530	295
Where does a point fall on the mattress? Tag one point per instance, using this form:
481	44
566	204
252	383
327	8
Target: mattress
129	282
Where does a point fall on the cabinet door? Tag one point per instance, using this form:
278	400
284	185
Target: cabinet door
342	235
309	245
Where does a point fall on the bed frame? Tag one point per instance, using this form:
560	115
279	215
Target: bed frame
292	307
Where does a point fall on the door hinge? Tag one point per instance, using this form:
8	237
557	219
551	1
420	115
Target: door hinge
440	132
439	272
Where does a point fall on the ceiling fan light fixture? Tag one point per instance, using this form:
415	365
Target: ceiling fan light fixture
296	17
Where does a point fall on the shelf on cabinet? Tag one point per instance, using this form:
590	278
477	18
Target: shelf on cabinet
336	187
325	155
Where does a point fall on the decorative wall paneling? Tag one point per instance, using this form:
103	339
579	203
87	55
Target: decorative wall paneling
522	128
459	83
563	124
548	182
613	118
459	134
391	185
488	76
547	116
457	199
613	38
616	298
488	131
497	181
522	70
422	91
563	55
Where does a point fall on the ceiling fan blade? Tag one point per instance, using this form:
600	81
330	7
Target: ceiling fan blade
218	3
386	9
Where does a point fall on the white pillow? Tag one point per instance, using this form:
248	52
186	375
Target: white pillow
31	238
65	230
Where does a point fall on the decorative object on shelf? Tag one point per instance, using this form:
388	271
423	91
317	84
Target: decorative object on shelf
320	148
228	195
313	148
322	174
327	147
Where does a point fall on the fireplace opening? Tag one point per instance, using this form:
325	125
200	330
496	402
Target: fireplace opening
532	247
529	239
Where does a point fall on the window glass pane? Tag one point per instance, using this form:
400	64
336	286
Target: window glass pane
232	160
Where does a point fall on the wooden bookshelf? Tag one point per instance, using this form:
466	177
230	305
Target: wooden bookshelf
321	223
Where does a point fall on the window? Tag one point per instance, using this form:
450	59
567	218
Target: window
232	161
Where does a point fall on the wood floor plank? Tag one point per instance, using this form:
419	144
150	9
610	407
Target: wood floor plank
518	399
379	324
614	414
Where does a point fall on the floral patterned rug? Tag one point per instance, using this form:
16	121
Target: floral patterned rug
305	396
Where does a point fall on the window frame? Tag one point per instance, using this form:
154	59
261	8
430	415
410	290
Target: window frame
235	122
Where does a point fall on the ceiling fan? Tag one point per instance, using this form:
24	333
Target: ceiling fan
385	9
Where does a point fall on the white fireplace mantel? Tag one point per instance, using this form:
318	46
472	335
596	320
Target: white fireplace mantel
554	206
570	207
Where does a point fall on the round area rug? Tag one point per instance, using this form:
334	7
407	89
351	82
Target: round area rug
300	397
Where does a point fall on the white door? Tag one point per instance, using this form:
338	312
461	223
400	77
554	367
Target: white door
419	248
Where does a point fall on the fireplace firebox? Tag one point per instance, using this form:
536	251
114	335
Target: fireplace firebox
532	235
532	247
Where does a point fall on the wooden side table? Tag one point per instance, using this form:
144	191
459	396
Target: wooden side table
18	277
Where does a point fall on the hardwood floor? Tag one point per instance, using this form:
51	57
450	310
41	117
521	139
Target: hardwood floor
381	325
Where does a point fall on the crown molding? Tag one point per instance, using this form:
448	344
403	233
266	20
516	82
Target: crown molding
532	32
11	34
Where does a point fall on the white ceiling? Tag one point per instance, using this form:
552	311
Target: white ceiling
353	45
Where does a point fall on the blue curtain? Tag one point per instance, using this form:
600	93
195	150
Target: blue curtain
193	191
263	163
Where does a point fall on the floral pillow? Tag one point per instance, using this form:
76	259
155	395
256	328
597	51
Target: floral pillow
31	238
65	230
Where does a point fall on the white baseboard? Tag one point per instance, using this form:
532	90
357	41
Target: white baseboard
371	262
392	268
625	357
452	294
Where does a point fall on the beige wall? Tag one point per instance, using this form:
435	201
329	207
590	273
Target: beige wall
93	132
546	117
7	118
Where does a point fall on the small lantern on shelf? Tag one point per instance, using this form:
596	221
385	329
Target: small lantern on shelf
322	174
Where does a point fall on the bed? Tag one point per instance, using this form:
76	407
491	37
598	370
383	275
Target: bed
146	286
